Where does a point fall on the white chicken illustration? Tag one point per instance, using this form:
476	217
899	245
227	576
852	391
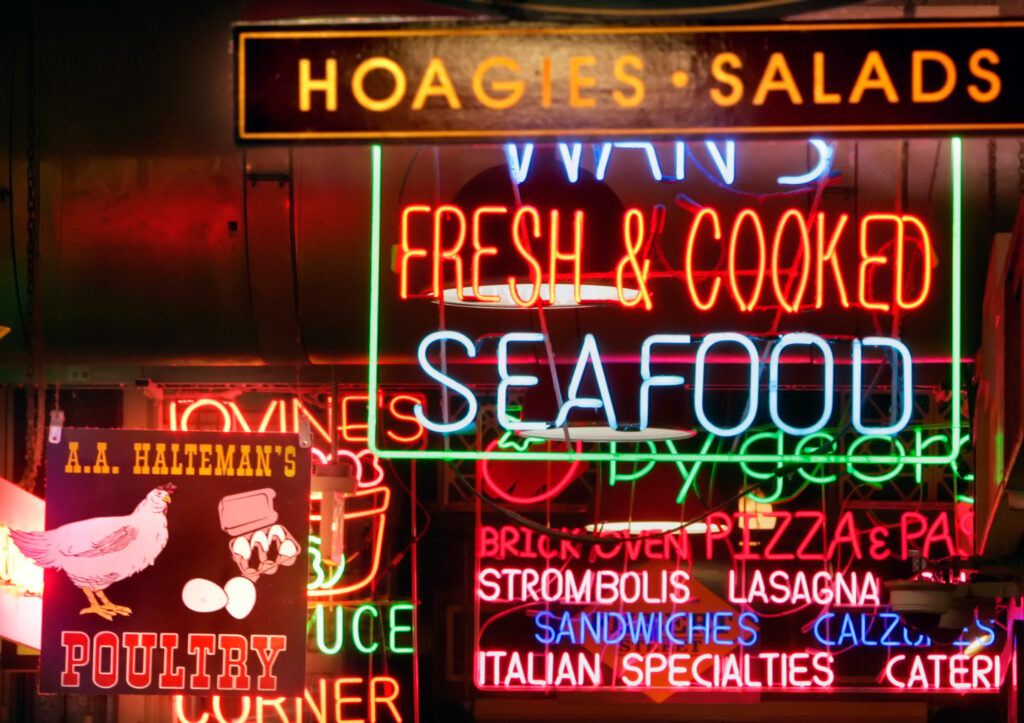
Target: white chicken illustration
97	552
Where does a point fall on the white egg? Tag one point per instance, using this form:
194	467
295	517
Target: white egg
241	548
241	597
203	596
288	549
259	539
276	531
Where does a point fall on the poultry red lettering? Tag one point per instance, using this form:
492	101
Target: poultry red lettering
108	657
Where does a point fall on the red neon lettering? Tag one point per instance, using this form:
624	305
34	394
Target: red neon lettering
879	549
785	519
451	253
922	525
939	532
869	260
520	233
347	426
691	284
846	531
633	237
762	254
179	712
719	531
299	410
804	253
413	399
576	257
926	277
819	523
827	254
944	671
480	250
206	402
243	715
340	700
76	654
405	252
386	699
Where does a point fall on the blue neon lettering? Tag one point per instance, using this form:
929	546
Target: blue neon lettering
749	628
539	620
825	155
445	380
589	354
726	165
516	380
518	167
906	369
571	160
660	380
698	402
827	384
670	628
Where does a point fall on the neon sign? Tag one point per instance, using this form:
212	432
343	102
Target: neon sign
452	230
784	264
359	629
647	613
589	364
329	700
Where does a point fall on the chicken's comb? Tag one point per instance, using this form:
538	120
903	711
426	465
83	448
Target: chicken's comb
168	487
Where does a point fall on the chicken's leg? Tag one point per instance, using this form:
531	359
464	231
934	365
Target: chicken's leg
107	605
95	606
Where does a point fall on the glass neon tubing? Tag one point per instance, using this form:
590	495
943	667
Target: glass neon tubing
956	166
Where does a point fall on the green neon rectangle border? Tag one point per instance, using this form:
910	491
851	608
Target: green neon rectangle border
956	172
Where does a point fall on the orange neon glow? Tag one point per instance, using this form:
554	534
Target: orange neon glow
691	239
346	425
480	251
206	402
404	251
451	253
379	512
576	257
276	417
522	246
869	260
420	431
762	254
383	691
633	237
926	248
828	255
243	715
805	265
382	698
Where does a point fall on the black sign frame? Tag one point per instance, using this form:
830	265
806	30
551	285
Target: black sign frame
690	77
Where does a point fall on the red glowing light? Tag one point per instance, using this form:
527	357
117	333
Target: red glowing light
805	260
519	230
762	254
691	284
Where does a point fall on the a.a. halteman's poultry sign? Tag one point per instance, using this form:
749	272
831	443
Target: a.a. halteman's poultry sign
175	563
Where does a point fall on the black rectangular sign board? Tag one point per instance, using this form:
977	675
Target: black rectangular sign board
175	563
457	83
